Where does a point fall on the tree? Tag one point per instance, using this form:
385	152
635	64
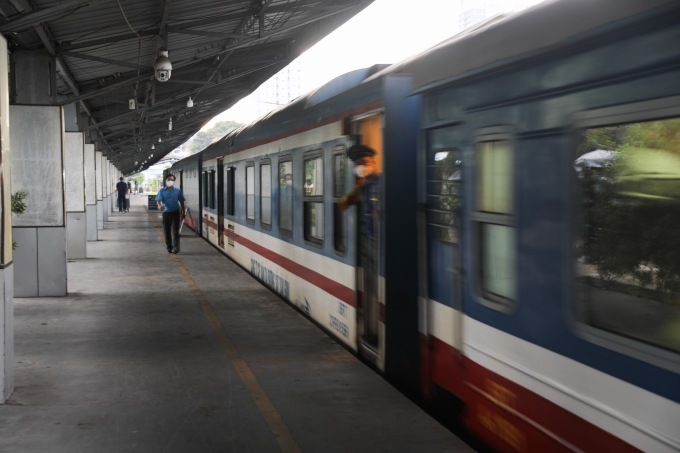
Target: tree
203	139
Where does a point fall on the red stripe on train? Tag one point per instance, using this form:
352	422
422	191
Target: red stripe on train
332	287
508	416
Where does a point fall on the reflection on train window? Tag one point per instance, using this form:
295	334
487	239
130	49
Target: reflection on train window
495	229
286	195
313	200
266	193
627	269
443	193
250	192
339	178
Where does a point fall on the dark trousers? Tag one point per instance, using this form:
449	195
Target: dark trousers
171	223
122	206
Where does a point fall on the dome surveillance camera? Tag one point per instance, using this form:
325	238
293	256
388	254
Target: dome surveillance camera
162	66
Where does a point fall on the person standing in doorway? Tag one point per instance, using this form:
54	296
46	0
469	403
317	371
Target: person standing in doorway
366	195
171	201
121	188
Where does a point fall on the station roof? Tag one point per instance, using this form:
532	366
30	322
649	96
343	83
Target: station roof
221	51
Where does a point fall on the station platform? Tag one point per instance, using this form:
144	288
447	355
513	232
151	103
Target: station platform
156	352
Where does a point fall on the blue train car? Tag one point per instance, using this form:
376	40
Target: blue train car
550	181
524	267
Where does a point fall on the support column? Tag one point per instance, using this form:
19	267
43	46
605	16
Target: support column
76	218
6	255
90	193
99	174
37	167
106	201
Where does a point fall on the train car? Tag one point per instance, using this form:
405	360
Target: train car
527	271
268	195
550	193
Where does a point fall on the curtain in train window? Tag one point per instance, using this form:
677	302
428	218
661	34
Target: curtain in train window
313	200
250	192
286	195
494	218
627	269
266	193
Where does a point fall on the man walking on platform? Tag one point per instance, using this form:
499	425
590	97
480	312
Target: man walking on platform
121	188
171	201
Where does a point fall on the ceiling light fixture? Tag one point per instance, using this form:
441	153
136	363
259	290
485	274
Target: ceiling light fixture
170	124
190	102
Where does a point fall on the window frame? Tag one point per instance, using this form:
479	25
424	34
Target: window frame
312	155
339	150
633	112
250	164
204	191
263	224
288	158
480	218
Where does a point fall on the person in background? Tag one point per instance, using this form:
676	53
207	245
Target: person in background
121	188
170	200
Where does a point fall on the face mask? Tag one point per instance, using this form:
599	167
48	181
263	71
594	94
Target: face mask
289	182
169	183
362	171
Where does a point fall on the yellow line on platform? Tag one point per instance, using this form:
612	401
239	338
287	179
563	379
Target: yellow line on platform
273	418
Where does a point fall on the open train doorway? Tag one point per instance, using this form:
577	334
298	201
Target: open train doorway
369	281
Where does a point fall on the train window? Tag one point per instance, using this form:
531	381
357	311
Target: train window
443	193
250	192
494	208
266	194
211	184
627	266
204	183
286	195
339	189
231	176
313	200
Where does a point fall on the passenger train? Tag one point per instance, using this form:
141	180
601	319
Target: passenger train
528	257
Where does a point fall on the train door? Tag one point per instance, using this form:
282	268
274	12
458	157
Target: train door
370	286
220	203
439	232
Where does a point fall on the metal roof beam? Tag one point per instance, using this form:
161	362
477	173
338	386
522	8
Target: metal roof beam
110	40
104	60
34	18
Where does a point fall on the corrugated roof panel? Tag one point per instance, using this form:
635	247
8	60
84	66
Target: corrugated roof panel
218	51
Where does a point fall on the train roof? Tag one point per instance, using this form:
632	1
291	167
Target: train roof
278	120
518	36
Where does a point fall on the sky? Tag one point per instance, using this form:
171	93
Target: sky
387	31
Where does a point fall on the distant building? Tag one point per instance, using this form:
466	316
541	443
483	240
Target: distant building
279	90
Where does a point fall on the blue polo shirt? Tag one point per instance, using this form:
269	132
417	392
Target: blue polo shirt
170	199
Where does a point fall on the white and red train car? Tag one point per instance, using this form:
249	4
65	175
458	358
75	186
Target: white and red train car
529	262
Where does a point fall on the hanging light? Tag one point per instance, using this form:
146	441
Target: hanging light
190	102
159	139
153	146
170	124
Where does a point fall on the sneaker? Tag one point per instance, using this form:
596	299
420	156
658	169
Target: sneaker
169	250
175	250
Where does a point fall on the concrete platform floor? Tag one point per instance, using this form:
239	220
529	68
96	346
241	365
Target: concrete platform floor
153	352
